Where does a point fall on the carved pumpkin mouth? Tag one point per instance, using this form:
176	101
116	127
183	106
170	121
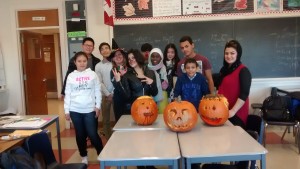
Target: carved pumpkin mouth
146	114
214	120
181	122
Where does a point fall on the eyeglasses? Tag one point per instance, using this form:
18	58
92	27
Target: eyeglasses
88	46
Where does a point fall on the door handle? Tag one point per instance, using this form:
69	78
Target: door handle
44	80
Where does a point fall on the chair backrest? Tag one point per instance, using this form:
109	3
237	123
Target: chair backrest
39	144
255	123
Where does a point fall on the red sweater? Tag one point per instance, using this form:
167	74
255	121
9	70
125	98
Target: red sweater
230	88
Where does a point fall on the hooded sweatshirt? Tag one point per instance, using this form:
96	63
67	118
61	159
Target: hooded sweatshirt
82	92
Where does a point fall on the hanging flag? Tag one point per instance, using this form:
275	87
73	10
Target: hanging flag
108	14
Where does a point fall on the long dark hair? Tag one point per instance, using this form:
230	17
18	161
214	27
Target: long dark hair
176	57
138	56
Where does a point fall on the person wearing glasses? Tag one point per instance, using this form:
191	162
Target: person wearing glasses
87	47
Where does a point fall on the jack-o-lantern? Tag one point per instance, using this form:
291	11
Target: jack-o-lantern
213	109
144	110
180	116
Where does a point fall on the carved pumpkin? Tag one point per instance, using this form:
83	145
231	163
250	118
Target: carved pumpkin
213	109
144	110
180	116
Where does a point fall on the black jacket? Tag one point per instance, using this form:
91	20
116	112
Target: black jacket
72	67
130	87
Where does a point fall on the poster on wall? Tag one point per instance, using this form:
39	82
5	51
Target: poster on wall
196	7
268	5
291	5
232	6
133	8
166	7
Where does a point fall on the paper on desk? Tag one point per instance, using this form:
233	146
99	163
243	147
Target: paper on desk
26	124
9	119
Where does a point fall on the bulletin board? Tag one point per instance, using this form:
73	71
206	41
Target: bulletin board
125	12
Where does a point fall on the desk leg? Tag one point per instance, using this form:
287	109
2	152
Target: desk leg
58	140
188	163
183	162
175	164
263	161
102	165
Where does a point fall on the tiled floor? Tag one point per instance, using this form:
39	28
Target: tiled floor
281	154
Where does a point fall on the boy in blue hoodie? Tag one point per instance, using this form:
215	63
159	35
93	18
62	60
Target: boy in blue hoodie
191	86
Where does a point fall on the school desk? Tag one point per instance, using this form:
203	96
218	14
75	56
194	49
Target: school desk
48	120
219	144
140	148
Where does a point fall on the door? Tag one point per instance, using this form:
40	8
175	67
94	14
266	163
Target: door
33	71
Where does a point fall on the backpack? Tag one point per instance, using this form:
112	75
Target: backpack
275	108
17	158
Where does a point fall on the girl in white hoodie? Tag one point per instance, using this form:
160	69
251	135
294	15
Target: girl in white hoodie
82	104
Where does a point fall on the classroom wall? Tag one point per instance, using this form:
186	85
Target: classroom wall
12	61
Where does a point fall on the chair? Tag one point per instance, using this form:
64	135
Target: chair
255	128
255	123
292	123
39	147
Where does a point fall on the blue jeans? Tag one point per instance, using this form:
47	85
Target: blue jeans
86	126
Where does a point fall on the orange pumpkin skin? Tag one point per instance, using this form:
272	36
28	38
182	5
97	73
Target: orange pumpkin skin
180	116
144	110
213	109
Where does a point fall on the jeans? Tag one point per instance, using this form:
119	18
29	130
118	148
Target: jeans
85	126
105	110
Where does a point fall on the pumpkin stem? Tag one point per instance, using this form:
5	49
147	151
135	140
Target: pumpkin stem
178	99
215	91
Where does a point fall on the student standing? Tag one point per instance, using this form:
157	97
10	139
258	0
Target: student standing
171	60
87	47
155	63
82	104
145	49
138	81
103	70
235	82
191	86
118	71
187	47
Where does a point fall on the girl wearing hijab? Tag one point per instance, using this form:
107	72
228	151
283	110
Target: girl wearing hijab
235	82
155	63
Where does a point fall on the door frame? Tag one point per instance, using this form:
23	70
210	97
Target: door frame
60	49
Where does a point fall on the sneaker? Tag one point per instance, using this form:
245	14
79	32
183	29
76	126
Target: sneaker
84	160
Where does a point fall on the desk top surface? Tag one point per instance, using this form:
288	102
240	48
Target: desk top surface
217	142
31	124
141	145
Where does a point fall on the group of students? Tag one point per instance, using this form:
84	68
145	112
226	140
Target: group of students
92	86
